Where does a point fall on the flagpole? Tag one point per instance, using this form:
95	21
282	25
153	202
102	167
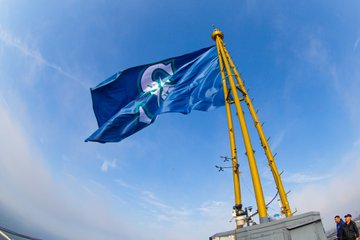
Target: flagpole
217	36
264	142
239	213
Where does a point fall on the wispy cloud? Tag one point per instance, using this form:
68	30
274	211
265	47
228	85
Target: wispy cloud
164	211
212	207
12	41
106	163
296	177
314	52
158	209
303	178
337	195
124	184
356	43
274	144
357	143
31	195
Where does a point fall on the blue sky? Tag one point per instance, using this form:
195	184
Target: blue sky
300	61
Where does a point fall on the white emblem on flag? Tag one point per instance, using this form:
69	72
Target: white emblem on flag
160	87
143	117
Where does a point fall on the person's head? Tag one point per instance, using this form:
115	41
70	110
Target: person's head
337	219
348	218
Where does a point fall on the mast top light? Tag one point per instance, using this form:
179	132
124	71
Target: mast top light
216	33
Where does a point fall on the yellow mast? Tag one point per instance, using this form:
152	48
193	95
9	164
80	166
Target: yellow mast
228	70
234	158
264	143
223	60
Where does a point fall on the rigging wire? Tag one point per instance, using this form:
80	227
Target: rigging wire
267	205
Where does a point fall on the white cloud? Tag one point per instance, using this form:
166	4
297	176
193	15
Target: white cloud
155	207
316	52
357	143
191	223
124	184
108	164
337	195
356	43
303	178
213	208
334	190
10	40
178	218
164	211
341	75
274	144
208	215
29	192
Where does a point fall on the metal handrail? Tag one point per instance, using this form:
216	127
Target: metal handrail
2	229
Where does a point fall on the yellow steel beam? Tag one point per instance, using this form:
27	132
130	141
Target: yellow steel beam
234	158
277	178
218	36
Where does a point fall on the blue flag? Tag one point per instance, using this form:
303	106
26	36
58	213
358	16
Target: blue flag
130	100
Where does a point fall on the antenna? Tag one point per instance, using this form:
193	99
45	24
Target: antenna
225	159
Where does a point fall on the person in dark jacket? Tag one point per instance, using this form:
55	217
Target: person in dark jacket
339	224
349	230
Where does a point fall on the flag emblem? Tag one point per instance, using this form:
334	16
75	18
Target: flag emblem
132	99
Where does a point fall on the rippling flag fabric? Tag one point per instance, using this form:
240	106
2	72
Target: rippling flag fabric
131	100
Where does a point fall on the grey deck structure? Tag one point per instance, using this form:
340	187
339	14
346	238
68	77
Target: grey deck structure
306	226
